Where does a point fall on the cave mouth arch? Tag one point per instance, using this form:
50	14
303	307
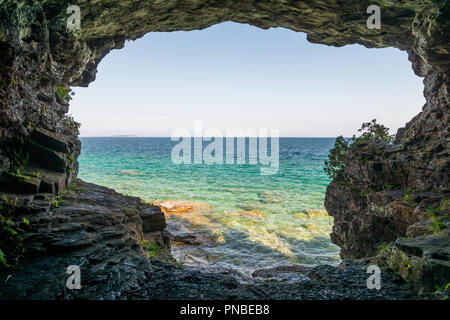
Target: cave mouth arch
420	29
137	174
40	58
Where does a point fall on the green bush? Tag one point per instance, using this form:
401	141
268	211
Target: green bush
373	132
70	123
436	225
151	249
370	132
63	92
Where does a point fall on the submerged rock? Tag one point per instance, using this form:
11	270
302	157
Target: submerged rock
270	197
173	206
316	213
179	233
248	213
132	172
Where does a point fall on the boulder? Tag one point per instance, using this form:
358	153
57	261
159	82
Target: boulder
153	219
19	184
423	261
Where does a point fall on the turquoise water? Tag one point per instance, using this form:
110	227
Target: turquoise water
246	220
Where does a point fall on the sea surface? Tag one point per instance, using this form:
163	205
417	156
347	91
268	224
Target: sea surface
245	220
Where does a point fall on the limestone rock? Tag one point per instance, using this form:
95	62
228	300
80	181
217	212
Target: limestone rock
424	260
50	140
46	157
19	184
171	206
4	162
153	219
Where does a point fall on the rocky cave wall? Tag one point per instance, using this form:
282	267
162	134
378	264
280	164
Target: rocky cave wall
40	59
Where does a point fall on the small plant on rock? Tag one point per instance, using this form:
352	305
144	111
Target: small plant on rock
129	211
12	234
63	92
54	203
382	247
436	224
151	249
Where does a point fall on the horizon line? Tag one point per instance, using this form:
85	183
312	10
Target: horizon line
133	136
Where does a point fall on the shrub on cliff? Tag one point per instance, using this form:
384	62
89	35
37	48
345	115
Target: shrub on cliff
334	167
373	132
71	124
370	132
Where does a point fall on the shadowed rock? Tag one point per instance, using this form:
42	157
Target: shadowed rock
152	219
50	140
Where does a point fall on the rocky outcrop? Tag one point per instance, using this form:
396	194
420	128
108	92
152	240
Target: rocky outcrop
92	227
102	232
422	260
40	59
399	190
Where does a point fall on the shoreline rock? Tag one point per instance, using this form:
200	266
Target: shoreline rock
91	229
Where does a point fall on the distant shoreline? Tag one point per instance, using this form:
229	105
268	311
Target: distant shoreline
134	136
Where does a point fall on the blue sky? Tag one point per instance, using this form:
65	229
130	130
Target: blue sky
236	76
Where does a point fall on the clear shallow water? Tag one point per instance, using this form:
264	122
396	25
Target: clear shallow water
247	221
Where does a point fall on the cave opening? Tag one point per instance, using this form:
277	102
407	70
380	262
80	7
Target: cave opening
389	201
237	76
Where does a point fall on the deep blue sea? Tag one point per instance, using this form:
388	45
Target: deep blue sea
249	220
